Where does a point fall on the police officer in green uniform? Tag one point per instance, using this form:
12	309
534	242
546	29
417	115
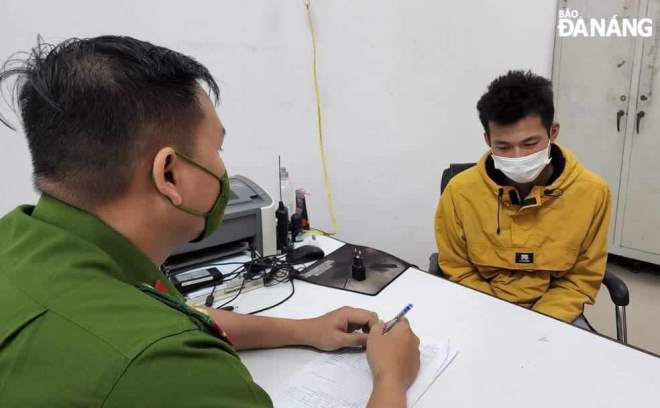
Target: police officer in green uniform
124	144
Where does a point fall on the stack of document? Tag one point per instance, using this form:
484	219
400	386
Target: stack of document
343	379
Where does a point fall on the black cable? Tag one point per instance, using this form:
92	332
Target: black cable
240	289
245	276
280	272
208	302
293	291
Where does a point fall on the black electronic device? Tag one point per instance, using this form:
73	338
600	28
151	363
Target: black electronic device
282	216
358	270
304	254
296	227
189	281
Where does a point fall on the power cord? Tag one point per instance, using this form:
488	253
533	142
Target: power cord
208	302
319	122
273	269
293	291
240	289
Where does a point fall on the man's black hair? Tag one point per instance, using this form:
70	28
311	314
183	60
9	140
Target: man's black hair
92	107
514	96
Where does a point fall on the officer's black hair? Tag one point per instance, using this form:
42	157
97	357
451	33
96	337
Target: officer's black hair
91	107
514	96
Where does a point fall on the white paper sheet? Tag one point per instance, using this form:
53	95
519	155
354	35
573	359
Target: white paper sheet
343	379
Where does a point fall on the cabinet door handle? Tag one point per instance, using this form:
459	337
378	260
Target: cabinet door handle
619	114
640	115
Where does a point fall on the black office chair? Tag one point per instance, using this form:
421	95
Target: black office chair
616	287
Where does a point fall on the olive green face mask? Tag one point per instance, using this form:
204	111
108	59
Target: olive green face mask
212	218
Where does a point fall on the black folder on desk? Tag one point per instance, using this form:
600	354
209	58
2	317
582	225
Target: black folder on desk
334	270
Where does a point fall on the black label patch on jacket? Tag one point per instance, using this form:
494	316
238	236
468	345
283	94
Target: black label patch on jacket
524	257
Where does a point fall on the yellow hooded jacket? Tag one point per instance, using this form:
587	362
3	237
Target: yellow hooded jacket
547	252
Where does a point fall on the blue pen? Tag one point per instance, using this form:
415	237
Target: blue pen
388	326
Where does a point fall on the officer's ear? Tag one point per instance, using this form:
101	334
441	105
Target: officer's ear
164	171
487	138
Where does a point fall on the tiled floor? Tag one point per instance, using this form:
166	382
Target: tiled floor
643	313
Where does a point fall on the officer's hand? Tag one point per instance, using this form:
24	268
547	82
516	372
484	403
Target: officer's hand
393	357
344	327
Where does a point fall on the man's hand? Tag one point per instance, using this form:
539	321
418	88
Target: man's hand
394	356
344	327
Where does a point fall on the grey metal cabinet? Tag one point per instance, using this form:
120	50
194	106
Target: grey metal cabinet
607	97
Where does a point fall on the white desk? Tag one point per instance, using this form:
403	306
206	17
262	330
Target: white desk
508	356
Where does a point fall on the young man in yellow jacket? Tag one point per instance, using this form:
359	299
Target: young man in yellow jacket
528	223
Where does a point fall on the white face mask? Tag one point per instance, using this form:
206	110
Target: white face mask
523	169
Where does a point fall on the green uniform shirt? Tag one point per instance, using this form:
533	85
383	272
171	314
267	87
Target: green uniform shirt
75	330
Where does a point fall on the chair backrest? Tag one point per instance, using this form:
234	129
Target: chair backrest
451	171
447	174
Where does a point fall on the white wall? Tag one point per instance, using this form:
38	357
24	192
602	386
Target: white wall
399	81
